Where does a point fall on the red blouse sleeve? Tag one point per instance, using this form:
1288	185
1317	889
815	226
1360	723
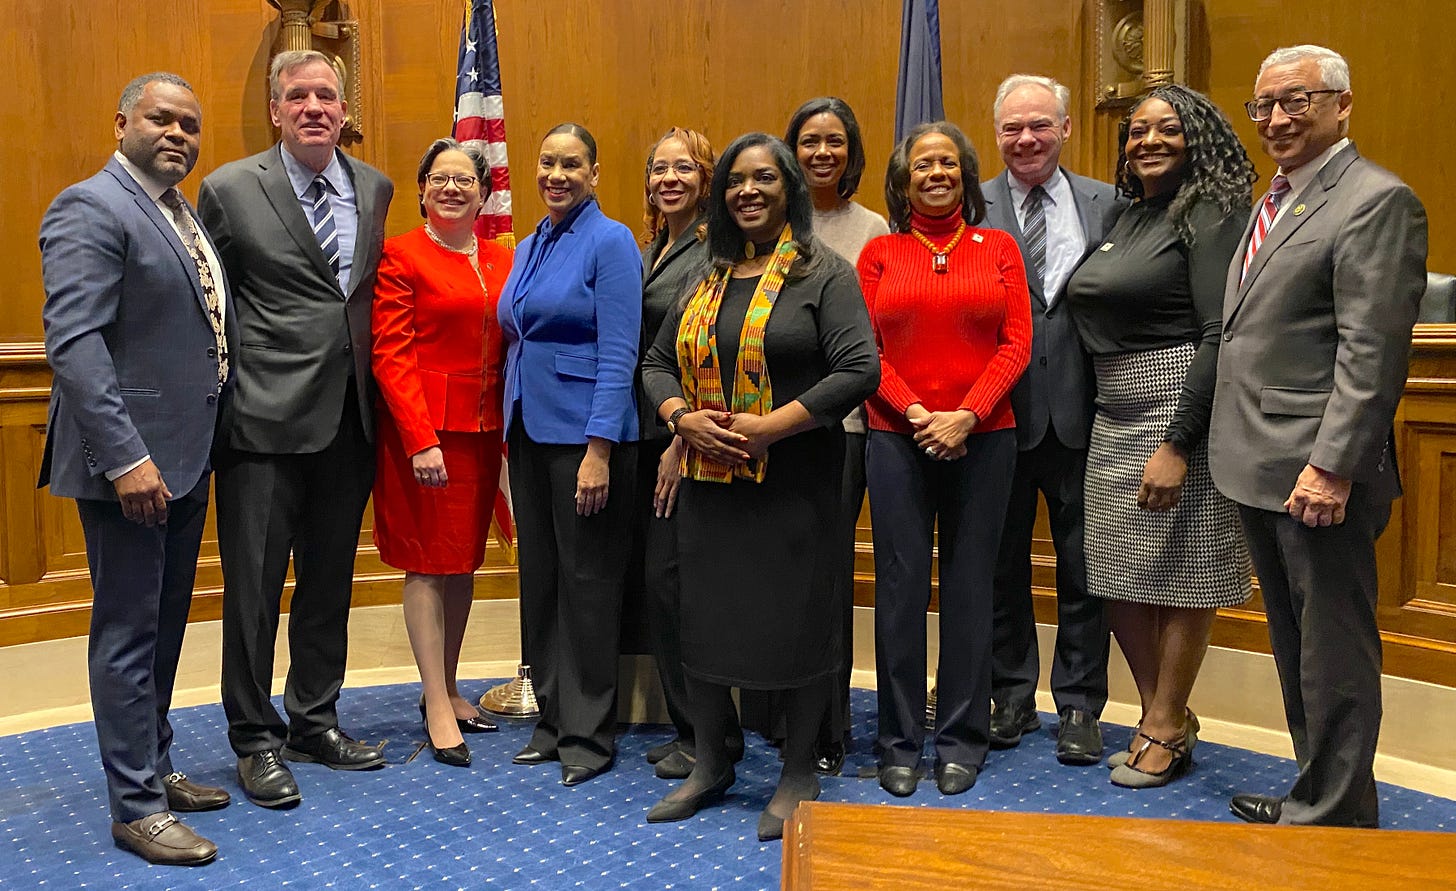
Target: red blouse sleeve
894	396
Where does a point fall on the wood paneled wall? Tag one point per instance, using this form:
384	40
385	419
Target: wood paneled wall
628	69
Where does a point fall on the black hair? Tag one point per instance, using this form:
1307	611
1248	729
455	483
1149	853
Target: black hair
725	239
854	169
579	132
897	176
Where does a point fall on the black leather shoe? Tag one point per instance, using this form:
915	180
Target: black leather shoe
334	749
1253	808
953	779
185	796
898	781
455	756
1011	722
670	811
1079	737
267	781
829	759
575	774
657	753
676	766
164	840
528	755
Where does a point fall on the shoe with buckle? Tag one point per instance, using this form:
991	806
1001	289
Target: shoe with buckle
185	796
1079	737
266	780
1117	759
334	749
164	840
1010	722
1252	808
1130	776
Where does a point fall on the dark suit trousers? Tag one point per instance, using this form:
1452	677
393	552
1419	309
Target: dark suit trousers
656	551
268	507
571	573
1319	588
141	579
1079	666
909	492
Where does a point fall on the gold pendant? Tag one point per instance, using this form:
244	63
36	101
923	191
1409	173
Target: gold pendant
748	251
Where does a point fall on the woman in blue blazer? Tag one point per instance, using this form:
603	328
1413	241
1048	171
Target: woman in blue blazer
571	315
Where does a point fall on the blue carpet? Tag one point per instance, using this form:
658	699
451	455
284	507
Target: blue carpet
423	825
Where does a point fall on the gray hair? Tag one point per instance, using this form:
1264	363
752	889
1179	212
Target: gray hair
131	94
287	61
1334	70
1017	81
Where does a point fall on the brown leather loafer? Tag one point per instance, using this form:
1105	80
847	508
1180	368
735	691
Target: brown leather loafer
164	840
185	796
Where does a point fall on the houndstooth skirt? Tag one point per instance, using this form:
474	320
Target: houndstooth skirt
1191	556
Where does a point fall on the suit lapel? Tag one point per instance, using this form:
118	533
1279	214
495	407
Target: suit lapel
279	190
1001	212
684	241
149	209
364	204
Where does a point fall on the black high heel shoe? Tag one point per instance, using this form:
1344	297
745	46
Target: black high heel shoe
455	756
669	811
477	724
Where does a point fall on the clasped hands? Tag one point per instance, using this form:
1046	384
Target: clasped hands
942	434
728	437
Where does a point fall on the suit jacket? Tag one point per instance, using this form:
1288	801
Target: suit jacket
663	288
572	317
1317	337
1056	390
128	338
297	338
438	350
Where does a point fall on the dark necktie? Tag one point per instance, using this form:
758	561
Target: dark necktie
1035	233
173	201
323	221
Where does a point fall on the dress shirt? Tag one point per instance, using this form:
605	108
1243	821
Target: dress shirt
154	190
1066	242
1300	178
341	202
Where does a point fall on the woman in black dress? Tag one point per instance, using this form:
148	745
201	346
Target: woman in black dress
1163	546
782	317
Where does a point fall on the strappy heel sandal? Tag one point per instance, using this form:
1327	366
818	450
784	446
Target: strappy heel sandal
1118	759
1130	776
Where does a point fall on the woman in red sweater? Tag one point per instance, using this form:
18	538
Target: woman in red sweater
952	318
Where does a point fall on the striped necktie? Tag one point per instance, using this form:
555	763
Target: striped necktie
1035	231
323	221
180	215
1278	190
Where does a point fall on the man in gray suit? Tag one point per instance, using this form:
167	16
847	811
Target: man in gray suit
1057	219
1318	312
134	315
300	228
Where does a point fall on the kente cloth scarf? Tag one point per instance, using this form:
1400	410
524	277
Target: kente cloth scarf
697	359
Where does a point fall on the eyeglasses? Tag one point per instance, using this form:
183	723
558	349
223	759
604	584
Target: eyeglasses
1294	103
681	168
463	181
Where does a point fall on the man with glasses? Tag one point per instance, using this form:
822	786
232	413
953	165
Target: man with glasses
1318	311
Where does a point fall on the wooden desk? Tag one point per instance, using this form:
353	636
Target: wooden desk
841	846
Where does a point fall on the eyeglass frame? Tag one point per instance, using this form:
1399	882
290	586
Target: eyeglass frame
457	178
681	168
1251	107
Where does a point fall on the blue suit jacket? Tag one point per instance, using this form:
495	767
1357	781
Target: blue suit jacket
572	316
128	340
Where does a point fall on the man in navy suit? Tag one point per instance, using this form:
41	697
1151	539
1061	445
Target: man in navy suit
134	317
1057	218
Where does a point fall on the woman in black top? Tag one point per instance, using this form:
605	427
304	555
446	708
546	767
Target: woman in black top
1163	546
754	372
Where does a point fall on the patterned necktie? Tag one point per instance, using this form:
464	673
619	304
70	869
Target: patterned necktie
1278	190
323	221
1035	232
173	200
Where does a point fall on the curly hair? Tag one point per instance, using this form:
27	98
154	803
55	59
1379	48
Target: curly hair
1217	168
701	152
897	176
855	165
725	239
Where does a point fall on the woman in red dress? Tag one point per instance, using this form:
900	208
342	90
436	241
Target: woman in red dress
438	355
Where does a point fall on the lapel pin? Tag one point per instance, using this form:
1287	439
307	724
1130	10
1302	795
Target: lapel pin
977	238
1299	209
1107	246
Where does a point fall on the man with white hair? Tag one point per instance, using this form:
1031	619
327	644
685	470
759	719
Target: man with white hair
1318	311
1057	218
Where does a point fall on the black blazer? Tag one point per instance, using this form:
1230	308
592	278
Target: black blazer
663	289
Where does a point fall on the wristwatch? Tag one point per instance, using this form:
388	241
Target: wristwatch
673	418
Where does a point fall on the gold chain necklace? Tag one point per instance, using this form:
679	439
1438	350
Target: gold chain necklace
940	257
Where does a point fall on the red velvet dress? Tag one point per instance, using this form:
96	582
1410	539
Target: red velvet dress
437	360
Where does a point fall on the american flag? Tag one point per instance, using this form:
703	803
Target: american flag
480	118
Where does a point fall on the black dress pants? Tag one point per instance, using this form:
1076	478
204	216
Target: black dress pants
571	573
909	493
268	508
654	572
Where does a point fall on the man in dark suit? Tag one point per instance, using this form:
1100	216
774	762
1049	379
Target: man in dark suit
1057	218
300	228
1318	312
134	316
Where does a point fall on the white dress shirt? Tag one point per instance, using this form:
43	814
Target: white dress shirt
1066	242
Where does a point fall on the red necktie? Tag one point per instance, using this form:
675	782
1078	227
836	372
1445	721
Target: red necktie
1278	188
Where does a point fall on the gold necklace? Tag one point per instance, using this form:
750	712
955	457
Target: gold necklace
940	257
435	237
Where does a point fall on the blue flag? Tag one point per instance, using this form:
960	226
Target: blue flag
917	96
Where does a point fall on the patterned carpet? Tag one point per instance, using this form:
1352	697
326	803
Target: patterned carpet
419	824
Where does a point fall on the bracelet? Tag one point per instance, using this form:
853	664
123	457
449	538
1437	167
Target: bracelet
676	416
